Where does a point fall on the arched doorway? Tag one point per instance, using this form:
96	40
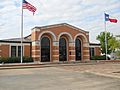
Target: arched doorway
45	49
62	49
78	49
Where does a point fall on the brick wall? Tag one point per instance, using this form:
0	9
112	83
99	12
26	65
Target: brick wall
5	50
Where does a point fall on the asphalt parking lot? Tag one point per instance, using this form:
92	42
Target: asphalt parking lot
56	78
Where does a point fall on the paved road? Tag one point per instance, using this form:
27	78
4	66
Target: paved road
53	78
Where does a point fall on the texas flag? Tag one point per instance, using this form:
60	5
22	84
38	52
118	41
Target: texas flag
107	18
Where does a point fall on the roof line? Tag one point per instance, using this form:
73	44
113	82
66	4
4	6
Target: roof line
56	25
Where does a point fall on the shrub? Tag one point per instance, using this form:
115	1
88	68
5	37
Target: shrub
99	58
0	60
27	59
15	59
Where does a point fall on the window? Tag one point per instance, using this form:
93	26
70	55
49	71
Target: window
45	49
78	49
19	51
92	52
62	49
15	51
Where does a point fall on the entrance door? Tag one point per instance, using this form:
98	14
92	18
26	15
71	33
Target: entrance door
45	49
78	49
62	50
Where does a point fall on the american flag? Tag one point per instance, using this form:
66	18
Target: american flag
28	6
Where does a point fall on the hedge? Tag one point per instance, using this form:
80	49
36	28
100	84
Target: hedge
15	59
99	58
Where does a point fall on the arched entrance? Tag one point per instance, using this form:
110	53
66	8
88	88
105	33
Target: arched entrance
78	49
45	49
62	49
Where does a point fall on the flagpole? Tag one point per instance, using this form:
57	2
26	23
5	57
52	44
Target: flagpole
105	38
22	33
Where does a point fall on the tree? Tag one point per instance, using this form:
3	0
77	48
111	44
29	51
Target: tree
118	39
110	38
114	44
118	46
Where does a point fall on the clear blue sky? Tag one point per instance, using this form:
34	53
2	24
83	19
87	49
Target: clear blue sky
85	14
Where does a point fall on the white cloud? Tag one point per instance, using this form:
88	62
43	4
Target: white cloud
85	14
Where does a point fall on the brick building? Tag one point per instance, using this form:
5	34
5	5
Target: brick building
53	43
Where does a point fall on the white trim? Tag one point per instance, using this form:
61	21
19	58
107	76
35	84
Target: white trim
94	46
55	55
56	50
36	43
55	43
14	43
58	25
49	32
75	28
51	26
72	44
33	43
35	50
80	34
85	50
16	50
35	29
65	33
10	51
34	56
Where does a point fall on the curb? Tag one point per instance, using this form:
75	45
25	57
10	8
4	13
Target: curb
24	66
43	65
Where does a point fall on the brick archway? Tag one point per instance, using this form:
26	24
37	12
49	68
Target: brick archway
68	35
85	46
45	49
78	49
48	32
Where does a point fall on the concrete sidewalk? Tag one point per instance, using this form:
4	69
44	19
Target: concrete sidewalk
106	69
109	69
55	78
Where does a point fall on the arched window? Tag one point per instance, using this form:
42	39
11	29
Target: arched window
45	49
78	49
62	49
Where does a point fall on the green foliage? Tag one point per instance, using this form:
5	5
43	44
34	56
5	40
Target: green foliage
111	42
99	58
118	53
27	59
118	46
15	59
0	60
